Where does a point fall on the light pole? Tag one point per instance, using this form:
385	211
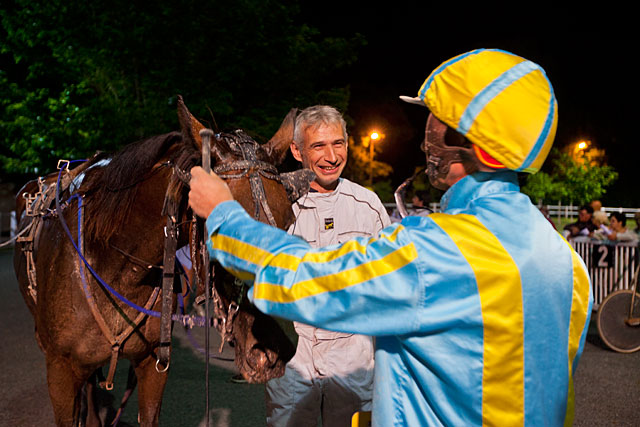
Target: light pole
374	136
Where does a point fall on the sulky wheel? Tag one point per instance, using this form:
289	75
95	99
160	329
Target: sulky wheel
613	328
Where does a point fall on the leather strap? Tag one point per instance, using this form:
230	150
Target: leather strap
170	243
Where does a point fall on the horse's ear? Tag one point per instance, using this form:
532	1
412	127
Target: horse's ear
278	145
190	126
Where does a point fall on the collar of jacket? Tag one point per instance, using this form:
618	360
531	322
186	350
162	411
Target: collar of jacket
479	184
309	200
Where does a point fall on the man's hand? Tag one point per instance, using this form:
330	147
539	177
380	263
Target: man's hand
207	192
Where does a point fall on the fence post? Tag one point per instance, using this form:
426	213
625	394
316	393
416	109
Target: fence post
559	212
13	225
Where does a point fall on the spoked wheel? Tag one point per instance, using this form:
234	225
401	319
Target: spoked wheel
613	327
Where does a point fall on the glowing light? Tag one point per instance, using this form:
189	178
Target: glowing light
582	145
375	135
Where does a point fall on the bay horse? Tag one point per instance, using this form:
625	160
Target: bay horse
121	235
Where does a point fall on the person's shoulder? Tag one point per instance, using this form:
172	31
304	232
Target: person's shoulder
357	190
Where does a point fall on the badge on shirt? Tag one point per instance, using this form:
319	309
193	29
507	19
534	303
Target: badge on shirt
328	223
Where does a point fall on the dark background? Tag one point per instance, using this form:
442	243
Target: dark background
246	78
589	60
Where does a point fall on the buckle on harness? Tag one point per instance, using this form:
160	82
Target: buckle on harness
63	164
30	201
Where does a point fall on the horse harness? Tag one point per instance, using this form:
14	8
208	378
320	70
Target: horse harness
38	206
41	205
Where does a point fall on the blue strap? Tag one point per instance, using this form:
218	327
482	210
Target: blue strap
184	319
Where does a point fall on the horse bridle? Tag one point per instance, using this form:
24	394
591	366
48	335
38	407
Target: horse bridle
251	168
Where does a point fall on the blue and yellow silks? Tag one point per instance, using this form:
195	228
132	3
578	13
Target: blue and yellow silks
503	103
480	312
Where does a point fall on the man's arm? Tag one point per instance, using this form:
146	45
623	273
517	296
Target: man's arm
363	286
366	286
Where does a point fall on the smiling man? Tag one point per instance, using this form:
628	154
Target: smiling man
331	374
320	144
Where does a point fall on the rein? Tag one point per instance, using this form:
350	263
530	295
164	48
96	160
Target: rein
187	320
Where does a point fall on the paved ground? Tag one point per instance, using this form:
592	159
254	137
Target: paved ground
607	383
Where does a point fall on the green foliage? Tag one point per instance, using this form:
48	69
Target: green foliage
384	190
421	183
570	181
358	165
80	76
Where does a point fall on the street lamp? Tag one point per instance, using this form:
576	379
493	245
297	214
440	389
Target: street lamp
580	149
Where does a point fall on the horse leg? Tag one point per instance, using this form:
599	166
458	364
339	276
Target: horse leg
150	389
64	390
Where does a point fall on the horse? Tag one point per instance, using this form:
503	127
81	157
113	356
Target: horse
128	200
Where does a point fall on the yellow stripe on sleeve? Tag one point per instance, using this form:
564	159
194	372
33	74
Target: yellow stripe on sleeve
500	291
251	253
579	312
337	281
261	257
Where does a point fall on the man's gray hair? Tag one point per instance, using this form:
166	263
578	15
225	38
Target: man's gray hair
315	116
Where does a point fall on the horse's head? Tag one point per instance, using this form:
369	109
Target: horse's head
262	348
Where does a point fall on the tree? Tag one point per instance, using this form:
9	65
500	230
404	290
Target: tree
570	181
80	76
358	168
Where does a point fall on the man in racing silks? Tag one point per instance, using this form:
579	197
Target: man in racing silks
480	312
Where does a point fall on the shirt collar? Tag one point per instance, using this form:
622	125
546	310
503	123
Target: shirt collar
479	184
308	200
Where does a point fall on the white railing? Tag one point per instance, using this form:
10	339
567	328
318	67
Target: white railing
610	265
570	211
556	211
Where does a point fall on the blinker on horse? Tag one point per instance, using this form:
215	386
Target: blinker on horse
122	239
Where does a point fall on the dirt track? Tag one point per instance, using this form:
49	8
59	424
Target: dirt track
607	384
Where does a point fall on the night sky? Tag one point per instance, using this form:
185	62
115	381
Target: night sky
589	66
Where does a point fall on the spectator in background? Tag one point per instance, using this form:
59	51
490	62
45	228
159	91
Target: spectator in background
596	205
620	232
601	221
583	227
420	202
419	206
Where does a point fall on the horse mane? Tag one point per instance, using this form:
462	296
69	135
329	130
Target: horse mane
110	190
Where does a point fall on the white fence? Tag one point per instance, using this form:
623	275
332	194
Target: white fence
556	211
571	211
610	265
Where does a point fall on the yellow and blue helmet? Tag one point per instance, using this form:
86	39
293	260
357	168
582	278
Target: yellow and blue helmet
503	103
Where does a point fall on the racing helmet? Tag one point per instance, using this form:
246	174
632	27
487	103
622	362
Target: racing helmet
502	103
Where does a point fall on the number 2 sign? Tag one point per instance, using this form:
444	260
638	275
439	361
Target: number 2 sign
602	256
